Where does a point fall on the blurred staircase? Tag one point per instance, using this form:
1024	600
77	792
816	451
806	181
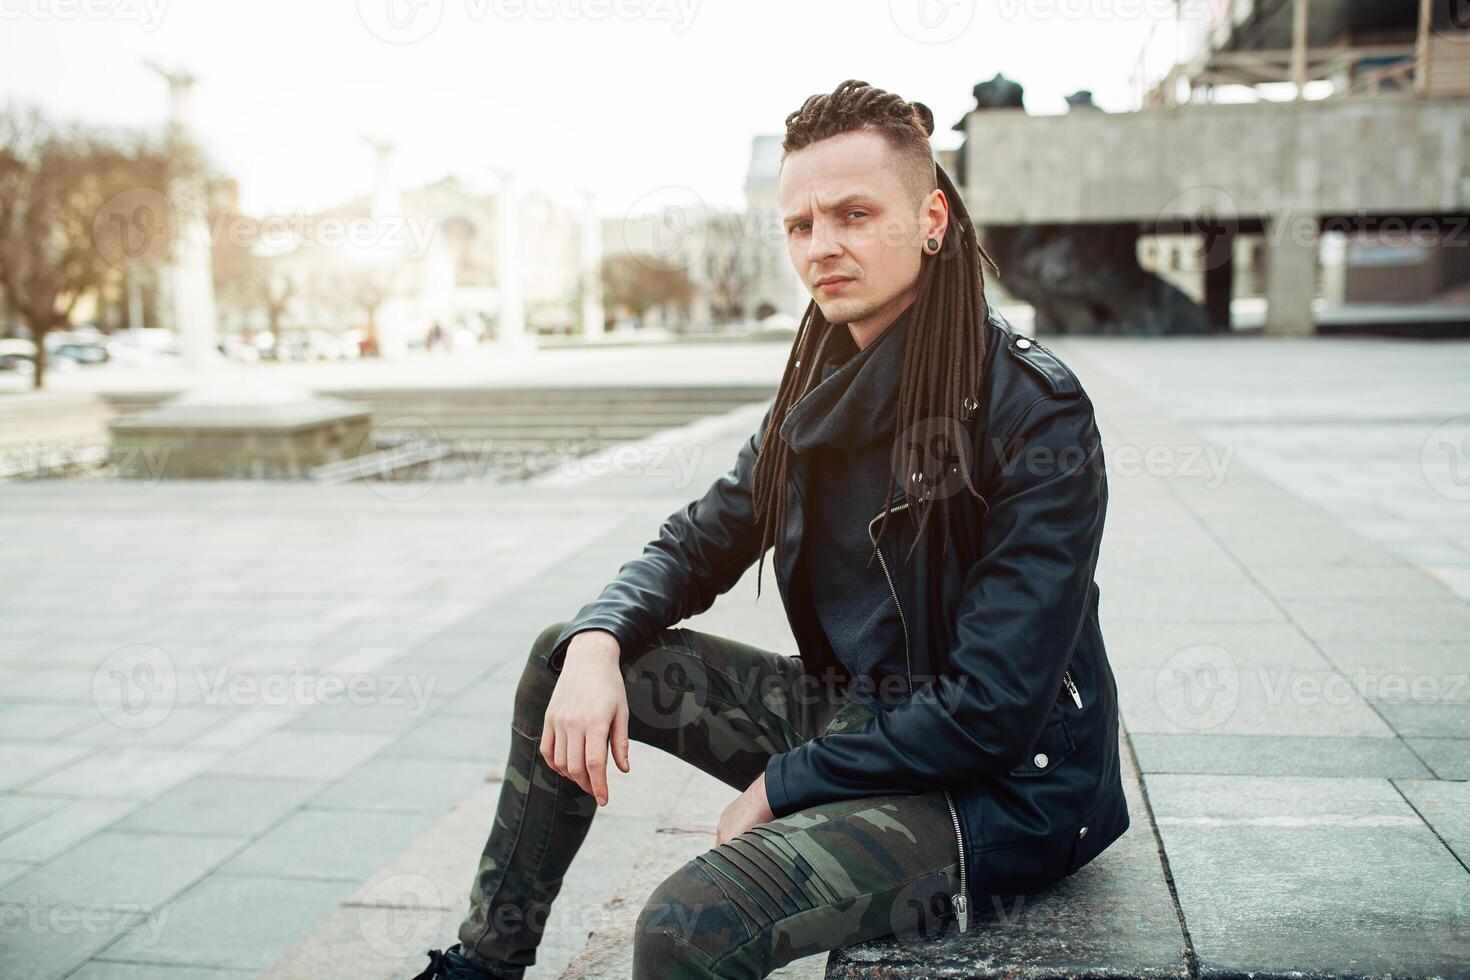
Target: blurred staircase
592	418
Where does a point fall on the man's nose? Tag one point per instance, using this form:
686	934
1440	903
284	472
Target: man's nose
822	244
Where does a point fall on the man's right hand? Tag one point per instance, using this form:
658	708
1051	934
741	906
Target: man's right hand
588	709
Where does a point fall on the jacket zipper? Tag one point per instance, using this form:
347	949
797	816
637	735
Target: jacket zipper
960	899
1072	687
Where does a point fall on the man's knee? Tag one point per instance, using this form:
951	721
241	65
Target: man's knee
685	926
545	640
537	682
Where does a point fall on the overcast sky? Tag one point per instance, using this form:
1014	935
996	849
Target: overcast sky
650	94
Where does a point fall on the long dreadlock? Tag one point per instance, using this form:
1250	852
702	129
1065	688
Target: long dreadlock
944	347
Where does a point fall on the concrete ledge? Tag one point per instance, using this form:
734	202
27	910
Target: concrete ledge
1115	917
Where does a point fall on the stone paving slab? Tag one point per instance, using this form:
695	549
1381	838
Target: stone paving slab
328	845
226	806
1277	755
116	869
1317	876
1445	806
69	824
235	921
1448	757
114	970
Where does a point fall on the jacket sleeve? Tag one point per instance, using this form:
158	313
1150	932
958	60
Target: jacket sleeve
1022	607
700	552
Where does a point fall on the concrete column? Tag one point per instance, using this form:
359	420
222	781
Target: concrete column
187	281
508	277
1421	47
191	288
1299	45
387	202
1291	272
1219	276
591	269
135	306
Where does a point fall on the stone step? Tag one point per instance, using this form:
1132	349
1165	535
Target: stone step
630	397
1113	917
588	418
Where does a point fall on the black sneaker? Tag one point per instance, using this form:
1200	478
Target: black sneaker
451	964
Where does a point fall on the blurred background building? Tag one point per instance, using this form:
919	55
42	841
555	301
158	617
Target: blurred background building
1286	166
1293	165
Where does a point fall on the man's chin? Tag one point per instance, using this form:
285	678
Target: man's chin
842	310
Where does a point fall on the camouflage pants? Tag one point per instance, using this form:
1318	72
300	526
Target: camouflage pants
828	876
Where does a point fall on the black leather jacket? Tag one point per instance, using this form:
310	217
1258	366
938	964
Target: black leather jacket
1019	726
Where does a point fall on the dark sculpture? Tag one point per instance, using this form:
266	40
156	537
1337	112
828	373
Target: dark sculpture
999	93
1085	279
1082	279
1081	99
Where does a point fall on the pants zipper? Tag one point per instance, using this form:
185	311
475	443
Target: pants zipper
961	898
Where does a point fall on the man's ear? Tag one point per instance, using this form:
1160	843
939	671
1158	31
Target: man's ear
935	218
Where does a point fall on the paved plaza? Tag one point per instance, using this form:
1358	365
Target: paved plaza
255	728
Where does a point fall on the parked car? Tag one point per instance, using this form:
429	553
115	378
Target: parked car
143	347
237	350
313	345
18	355
79	352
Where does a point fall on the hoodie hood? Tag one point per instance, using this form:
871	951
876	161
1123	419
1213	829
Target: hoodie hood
856	401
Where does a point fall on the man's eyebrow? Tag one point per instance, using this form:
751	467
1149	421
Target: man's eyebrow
838	206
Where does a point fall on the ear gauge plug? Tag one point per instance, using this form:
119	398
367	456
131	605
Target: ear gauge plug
932	245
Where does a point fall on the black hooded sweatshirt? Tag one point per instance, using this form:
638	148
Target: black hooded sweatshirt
846	425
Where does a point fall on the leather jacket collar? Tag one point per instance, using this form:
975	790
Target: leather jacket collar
856	401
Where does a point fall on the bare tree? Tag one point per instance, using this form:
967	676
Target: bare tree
248	282
368	290
641	283
77	208
732	275
357	291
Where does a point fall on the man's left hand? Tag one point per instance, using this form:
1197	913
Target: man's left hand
749	809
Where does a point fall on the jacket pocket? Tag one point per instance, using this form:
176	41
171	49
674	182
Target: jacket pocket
1053	745
1105	824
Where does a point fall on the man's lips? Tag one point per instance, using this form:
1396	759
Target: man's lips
830	284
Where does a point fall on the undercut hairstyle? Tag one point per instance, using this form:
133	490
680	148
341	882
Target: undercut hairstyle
944	344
